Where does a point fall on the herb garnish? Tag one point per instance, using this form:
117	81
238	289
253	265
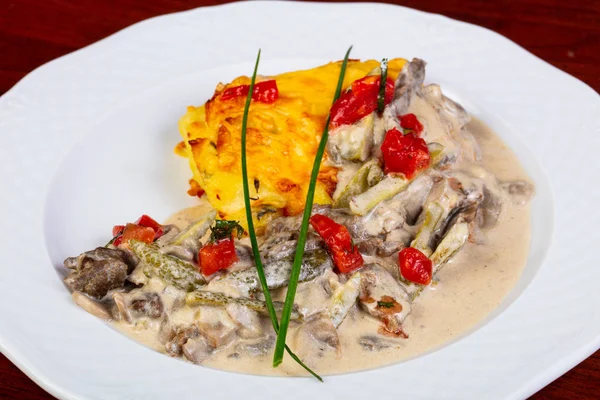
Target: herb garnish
382	85
224	230
259	267
385	304
293	284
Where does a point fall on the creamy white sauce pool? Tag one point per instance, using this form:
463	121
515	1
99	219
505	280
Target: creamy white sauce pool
472	285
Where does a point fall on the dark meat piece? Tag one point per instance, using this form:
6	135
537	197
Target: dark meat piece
96	278
97	271
101	253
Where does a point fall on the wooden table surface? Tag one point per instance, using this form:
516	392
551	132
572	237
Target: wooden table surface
565	33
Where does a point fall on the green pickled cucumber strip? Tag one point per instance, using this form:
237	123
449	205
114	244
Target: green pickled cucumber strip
433	214
367	175
190	236
353	142
170	269
389	186
384	190
451	243
204	298
343	299
277	273
436	153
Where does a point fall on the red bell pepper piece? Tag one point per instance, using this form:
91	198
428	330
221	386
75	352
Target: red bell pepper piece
360	100
217	256
117	233
405	154
219	252
411	122
265	92
148	222
234	92
415	266
339	244
118	230
137	232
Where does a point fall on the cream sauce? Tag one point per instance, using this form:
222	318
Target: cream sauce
472	285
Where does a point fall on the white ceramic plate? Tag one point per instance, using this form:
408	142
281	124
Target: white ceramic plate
87	139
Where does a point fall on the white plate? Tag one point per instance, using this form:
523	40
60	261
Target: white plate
118	102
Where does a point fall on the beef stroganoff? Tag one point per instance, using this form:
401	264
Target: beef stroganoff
420	226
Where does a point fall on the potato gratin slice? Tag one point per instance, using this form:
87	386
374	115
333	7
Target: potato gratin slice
283	136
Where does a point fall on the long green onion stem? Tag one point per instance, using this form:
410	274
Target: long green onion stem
293	284
251	232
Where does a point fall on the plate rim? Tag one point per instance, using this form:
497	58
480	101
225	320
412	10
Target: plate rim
30	369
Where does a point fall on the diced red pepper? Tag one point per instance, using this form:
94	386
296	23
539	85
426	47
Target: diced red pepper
345	255
265	92
140	230
216	256
137	232
117	240
148	222
415	266
234	92
405	154
411	122
117	230
360	100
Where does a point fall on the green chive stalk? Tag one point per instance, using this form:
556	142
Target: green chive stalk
252	233
293	284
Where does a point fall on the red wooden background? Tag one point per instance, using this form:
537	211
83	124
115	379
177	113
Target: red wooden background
565	33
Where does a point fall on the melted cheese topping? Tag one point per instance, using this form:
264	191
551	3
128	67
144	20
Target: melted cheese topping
282	141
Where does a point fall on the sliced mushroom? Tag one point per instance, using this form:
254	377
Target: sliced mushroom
317	336
248	320
490	209
383	297
520	192
137	303
374	343
216	326
169	233
255	348
197	349
93	307
179	337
